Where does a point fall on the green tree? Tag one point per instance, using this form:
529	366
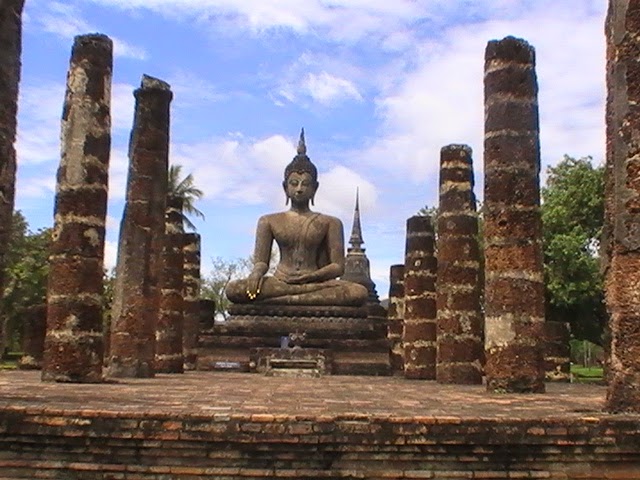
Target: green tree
573	215
214	284
186	189
26	278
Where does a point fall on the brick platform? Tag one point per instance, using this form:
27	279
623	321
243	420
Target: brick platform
237	426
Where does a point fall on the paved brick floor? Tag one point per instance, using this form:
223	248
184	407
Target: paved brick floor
210	393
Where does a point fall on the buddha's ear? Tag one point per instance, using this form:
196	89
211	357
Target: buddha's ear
284	187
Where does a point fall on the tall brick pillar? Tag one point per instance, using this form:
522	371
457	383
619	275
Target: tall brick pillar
34	327
395	318
622	275
191	299
73	348
169	357
11	41
419	332
136	294
460	321
514	284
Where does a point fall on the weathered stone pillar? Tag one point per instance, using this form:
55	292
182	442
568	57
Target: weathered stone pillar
514	285
74	346
191	299
136	294
34	327
622	280
207	313
11	41
395	318
460	320
419	332
557	351
169	357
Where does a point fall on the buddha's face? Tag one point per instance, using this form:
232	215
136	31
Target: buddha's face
300	187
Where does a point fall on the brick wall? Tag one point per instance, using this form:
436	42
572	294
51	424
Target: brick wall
91	444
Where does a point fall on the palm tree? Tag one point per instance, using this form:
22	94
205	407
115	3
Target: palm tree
185	189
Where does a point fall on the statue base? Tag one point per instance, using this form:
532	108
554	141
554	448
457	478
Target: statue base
314	341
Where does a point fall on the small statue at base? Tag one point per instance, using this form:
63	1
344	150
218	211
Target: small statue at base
311	250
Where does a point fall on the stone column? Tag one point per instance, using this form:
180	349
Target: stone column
74	346
207	313
557	351
11	41
34	327
136	297
460	321
191	299
622	280
395	318
169	357
419	332
514	284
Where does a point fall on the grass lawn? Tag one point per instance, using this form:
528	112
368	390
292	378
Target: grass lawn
586	374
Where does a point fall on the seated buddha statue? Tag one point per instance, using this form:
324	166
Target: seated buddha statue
311	250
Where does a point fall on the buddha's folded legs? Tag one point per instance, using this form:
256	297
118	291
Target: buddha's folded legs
275	291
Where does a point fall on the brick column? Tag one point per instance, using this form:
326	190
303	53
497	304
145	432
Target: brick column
419	332
11	41
514	284
460	320
136	297
207	313
622	280
34	327
395	318
557	351
191	299
74	345
169	357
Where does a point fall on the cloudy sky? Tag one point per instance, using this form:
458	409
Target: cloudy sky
379	86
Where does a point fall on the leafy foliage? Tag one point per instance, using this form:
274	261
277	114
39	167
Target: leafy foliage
186	189
214	285
573	215
27	271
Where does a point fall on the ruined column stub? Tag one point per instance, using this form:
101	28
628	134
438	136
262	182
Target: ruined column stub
395	318
191	250
11	41
169	357
419	331
459	319
34	327
622	201
74	345
136	293
557	351
514	285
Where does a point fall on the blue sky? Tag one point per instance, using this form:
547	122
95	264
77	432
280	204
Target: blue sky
379	86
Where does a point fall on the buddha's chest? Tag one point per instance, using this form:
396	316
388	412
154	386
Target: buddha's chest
305	232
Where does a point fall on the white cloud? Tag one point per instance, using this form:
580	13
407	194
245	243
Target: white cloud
110	254
337	193
328	89
440	101
65	21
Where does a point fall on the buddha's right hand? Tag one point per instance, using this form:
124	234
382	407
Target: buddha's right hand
254	282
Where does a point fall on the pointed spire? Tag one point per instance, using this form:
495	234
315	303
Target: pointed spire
302	148
356	231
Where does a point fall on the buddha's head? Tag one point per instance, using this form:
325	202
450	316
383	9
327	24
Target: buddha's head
301	175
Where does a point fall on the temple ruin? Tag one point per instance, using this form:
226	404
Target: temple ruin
74	343
419	325
136	293
514	283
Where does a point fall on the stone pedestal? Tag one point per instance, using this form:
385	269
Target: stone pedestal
356	343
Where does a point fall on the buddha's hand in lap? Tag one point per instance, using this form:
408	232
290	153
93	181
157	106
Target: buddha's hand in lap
299	279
